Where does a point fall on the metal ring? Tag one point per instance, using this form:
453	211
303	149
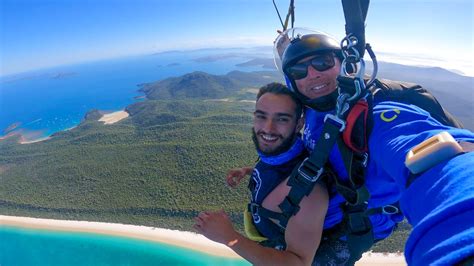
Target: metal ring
390	210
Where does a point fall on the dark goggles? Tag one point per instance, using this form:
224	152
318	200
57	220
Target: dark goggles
320	63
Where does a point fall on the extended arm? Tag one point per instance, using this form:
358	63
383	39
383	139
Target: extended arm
439	202
302	235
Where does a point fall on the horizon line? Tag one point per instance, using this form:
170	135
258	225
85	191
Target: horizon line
407	59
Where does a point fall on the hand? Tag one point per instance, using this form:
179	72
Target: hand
216	226
234	176
282	41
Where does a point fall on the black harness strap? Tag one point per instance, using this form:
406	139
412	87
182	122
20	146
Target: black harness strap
355	12
356	225
311	169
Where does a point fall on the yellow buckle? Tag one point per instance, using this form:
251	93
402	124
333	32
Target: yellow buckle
431	152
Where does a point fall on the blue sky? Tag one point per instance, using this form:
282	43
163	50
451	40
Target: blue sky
42	33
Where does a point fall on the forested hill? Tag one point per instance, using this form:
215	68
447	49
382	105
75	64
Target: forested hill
159	167
206	86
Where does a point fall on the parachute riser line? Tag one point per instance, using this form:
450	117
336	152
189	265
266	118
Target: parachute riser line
290	14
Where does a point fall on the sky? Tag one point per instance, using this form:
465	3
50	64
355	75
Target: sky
36	34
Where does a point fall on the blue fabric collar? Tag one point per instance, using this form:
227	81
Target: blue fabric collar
282	158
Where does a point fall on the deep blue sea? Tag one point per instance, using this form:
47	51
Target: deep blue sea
39	103
21	246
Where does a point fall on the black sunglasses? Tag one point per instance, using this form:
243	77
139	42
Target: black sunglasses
320	63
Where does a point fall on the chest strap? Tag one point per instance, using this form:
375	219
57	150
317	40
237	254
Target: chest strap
303	178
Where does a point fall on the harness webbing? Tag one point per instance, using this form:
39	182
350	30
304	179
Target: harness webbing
355	12
311	169
357	225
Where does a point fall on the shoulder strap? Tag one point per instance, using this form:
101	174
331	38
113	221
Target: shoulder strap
309	172
302	181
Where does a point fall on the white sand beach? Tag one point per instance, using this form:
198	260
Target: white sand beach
23	141
113	117
188	240
108	119
184	239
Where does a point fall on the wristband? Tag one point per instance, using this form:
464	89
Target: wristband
431	152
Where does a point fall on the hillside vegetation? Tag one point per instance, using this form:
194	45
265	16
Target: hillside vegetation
168	159
159	167
201	85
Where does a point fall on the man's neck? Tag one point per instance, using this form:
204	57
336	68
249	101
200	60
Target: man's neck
293	151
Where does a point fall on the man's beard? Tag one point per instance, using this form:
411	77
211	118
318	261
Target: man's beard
285	146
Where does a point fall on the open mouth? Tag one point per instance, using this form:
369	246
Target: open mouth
319	87
269	138
320	90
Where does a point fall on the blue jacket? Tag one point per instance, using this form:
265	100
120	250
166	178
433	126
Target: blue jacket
439	204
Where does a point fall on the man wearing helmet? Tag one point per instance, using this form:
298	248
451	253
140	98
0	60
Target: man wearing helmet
317	85
431	197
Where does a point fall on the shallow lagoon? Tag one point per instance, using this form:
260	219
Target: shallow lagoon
22	246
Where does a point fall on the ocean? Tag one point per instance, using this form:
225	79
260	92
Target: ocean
38	103
22	246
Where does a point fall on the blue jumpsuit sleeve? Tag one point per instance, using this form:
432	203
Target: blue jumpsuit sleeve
440	202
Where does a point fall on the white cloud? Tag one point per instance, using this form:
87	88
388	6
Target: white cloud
221	42
459	65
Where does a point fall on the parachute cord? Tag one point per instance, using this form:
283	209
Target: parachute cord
292	10
375	65
291	13
279	16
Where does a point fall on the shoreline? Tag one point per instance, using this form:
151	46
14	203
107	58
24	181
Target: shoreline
108	119
181	239
177	238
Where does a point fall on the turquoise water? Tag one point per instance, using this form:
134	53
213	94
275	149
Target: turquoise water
21	246
50	100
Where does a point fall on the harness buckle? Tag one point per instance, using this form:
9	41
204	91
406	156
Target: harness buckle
359	223
253	208
310	178
341	124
